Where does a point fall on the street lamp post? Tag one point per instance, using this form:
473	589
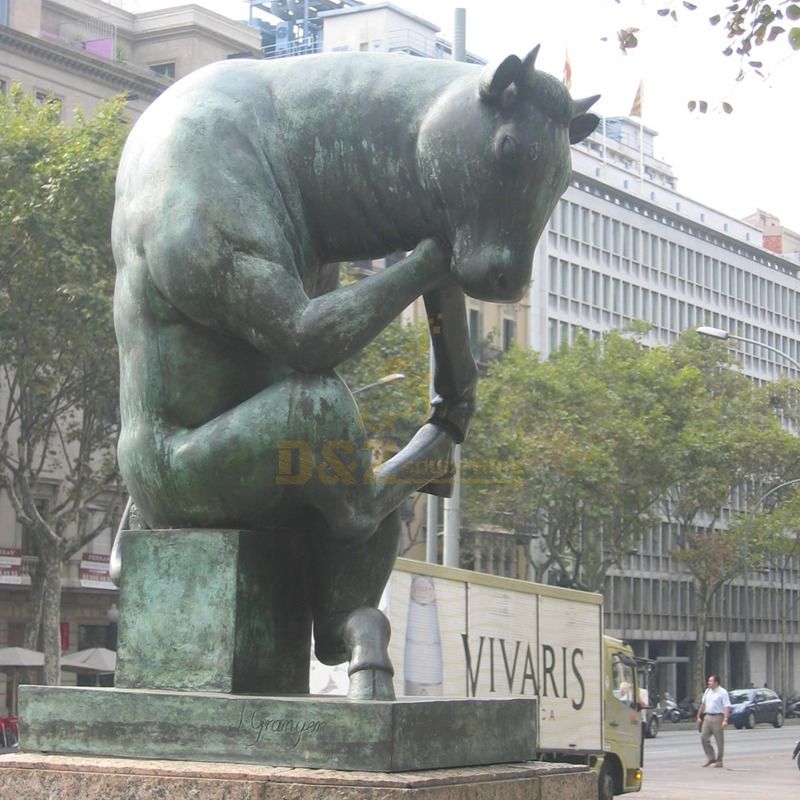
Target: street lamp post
748	526
720	333
395	376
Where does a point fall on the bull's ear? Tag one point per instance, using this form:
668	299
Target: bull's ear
496	78
581	127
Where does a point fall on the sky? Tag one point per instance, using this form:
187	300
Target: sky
735	163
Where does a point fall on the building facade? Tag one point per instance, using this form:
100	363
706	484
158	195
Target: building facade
76	53
79	52
624	245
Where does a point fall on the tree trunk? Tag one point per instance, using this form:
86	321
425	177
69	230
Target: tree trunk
51	615
33	623
701	625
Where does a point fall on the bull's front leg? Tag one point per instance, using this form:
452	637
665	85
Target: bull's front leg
455	373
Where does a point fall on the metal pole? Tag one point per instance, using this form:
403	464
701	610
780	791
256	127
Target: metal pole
452	516
746	589
460	34
452	504
783	637
432	510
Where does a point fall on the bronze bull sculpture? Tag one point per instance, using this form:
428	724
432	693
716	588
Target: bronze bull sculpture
236	188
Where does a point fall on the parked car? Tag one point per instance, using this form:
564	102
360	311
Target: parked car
750	707
793	707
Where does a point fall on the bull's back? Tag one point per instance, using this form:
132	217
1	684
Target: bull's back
183	202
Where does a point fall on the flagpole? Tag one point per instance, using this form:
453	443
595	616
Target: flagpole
641	152
637	110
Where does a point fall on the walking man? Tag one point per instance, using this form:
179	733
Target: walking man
715	708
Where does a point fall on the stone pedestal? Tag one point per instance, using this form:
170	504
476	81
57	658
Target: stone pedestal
213	610
33	777
320	732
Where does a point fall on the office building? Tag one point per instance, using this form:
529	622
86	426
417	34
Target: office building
623	245
75	53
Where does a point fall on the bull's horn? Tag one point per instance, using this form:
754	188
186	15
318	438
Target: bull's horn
496	78
583	105
530	60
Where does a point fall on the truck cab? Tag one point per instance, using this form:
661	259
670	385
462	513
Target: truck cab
620	769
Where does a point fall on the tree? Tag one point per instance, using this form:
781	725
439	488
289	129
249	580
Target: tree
58	358
728	439
573	446
749	25
393	412
774	540
594	446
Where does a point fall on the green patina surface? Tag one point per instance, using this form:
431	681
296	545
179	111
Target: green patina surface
187	617
237	189
305	732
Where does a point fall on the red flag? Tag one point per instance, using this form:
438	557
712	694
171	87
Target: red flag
567	71
636	108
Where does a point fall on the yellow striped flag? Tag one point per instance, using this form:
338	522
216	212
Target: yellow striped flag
636	108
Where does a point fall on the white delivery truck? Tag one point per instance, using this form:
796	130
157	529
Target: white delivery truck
457	632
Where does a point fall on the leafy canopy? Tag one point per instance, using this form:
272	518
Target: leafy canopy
58	357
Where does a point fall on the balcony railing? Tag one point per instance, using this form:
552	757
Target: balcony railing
70	572
294	47
94	36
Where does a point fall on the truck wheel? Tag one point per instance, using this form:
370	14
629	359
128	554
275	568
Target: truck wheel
751	721
778	720
652	727
605	784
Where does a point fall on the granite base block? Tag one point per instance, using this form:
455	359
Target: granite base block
303	731
40	777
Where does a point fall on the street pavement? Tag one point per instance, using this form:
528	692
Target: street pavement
758	765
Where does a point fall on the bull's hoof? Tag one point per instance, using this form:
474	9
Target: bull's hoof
371	684
366	635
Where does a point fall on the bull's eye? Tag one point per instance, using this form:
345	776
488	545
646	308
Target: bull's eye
508	150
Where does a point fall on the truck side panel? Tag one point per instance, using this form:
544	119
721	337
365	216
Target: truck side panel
462	633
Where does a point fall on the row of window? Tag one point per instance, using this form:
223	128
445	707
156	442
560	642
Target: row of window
629	599
584	292
583	225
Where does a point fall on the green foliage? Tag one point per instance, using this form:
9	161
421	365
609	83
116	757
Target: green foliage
393	411
58	359
579	440
748	25
586	449
771	527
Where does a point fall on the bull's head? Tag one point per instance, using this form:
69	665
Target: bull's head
497	160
